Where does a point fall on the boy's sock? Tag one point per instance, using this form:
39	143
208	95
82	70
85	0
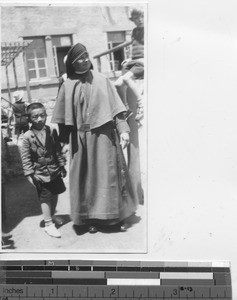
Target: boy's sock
48	222
49	228
46	210
57	220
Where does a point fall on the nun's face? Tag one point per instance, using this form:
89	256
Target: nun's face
82	64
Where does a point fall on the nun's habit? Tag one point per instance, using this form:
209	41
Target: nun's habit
89	113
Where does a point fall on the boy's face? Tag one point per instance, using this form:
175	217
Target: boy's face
38	118
138	21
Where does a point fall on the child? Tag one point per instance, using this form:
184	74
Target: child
19	112
134	68
43	163
7	243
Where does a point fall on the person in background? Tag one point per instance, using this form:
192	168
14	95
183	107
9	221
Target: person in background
19	113
90	117
6	241
134	68
63	77
43	163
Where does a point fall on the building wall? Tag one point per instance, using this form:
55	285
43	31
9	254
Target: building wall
87	23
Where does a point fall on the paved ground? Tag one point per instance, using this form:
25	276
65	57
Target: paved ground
24	216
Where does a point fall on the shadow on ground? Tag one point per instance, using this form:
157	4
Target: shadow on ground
21	202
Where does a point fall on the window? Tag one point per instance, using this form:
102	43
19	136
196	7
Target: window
36	59
41	61
61	40
61	44
114	39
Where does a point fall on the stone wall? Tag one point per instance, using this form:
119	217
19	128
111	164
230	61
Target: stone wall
89	25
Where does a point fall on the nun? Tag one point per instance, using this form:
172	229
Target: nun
90	118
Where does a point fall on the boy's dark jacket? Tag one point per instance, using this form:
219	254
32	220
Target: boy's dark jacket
43	162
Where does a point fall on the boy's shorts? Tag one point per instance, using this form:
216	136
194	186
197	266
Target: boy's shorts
47	190
136	67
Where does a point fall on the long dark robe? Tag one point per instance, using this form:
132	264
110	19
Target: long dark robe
100	188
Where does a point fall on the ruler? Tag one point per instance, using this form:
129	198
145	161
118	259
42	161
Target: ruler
120	280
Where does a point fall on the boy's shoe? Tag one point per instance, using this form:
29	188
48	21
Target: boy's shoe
52	231
128	114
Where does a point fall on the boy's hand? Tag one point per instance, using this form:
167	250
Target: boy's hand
63	172
124	139
29	178
33	180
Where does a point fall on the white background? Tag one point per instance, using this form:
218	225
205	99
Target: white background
192	133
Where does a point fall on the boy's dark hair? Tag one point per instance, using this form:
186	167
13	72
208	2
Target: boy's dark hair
34	105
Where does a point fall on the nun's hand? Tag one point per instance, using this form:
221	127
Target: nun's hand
124	139
63	172
65	148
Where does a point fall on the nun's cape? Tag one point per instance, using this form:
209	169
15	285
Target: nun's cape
104	102
100	188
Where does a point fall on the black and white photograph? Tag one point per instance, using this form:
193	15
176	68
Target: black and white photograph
74	128
119	144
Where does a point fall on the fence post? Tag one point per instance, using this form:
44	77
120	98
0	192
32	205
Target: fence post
99	64
27	76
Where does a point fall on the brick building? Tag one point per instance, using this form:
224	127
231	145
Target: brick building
52	30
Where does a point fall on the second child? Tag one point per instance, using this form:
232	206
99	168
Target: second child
43	163
134	68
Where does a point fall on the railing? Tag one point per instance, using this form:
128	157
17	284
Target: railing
98	56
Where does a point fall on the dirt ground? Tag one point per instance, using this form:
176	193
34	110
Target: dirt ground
24	216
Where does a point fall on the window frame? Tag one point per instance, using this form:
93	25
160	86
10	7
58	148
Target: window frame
37	68
49	57
110	44
35	59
